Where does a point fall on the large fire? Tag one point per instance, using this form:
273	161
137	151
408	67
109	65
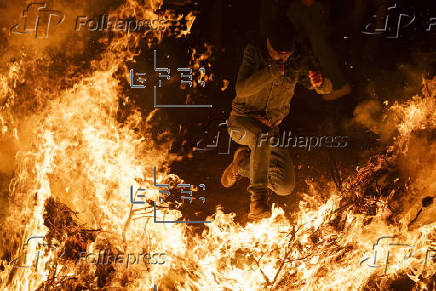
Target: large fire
76	162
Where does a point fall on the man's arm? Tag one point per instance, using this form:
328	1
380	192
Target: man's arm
250	80
336	94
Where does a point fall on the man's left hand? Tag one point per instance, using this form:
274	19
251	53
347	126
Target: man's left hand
316	78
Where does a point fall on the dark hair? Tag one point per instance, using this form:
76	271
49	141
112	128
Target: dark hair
282	34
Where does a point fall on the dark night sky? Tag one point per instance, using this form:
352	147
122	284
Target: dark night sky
376	68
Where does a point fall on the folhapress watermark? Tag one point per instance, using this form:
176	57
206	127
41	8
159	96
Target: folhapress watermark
307	142
105	22
102	257
105	257
38	18
395	20
31	20
221	142
387	249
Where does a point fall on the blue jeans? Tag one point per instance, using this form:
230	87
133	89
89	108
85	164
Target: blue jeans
268	167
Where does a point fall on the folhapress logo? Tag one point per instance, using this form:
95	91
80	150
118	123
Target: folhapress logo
37	18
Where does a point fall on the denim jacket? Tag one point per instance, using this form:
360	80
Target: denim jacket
262	91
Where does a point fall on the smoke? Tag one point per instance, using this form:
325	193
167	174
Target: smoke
415	142
371	115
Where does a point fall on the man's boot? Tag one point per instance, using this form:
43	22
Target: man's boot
230	175
259	209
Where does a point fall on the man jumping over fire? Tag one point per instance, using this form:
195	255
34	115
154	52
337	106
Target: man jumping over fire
265	86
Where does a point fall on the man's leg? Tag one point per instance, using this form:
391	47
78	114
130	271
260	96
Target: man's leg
281	172
247	131
231	174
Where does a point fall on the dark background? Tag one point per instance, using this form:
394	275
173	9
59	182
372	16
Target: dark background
376	67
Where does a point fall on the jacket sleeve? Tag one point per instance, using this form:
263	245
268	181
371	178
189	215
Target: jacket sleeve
309	63
251	79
